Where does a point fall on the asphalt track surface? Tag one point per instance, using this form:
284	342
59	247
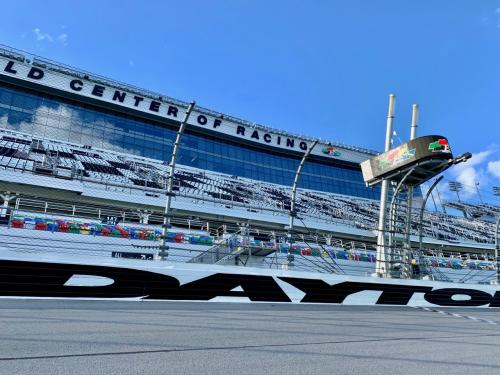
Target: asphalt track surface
110	337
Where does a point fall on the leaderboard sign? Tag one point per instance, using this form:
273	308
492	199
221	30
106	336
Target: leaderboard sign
159	107
400	159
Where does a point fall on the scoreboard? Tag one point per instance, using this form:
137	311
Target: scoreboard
433	149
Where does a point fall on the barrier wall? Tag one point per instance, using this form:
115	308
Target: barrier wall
61	277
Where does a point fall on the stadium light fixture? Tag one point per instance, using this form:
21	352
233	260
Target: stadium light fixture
462	158
456	187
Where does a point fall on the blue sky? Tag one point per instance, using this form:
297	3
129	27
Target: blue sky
319	68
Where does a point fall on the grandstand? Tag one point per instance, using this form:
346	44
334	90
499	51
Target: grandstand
329	223
83	171
483	211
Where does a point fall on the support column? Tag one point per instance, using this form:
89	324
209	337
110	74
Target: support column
380	265
7	197
406	261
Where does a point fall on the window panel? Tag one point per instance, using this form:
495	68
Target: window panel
75	122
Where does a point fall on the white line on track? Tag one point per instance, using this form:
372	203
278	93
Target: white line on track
455	315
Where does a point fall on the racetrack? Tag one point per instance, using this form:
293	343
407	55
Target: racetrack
109	337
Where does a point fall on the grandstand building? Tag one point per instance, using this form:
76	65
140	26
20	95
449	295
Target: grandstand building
50	101
80	153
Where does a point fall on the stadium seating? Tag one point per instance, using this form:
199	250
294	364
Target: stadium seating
299	249
477	211
128	173
99	229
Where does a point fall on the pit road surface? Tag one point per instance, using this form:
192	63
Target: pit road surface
118	337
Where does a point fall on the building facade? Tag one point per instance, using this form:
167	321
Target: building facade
48	100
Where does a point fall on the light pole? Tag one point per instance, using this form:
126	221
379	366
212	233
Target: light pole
456	187
478	193
163	248
292	212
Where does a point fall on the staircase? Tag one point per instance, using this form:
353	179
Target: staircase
218	253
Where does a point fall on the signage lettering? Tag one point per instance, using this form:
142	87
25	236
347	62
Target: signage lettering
98	90
137	99
202	120
444	297
320	291
172	111
76	85
33	279
38	279
154	106
8	68
143	103
36	73
120	96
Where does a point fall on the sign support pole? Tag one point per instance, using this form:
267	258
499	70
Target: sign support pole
407	267
380	265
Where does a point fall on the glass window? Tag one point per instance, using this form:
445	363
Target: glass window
73	121
5	96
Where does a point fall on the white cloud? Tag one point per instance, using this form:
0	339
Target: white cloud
45	122
63	39
131	62
469	177
477	158
42	36
474	171
494	168
46	37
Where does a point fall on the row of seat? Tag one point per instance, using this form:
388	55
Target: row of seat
84	227
106	230
123	170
